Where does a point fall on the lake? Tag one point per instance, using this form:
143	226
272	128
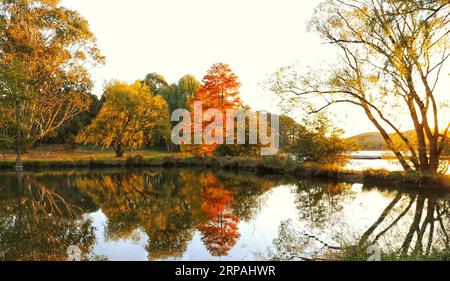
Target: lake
188	214
364	160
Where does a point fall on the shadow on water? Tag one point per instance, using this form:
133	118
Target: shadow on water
39	223
176	213
407	225
170	205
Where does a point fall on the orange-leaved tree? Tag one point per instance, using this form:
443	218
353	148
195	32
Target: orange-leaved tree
220	90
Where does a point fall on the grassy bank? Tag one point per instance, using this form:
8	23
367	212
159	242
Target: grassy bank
107	159
358	253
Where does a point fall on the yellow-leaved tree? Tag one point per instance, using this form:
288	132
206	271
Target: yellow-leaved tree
130	117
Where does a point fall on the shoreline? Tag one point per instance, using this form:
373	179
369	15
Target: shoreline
269	165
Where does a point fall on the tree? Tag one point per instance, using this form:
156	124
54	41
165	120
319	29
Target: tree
67	133
318	141
220	91
130	117
45	51
155	82
220	88
6	127
290	131
248	148
392	54
178	95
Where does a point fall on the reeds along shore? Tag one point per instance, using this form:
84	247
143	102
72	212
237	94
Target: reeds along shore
269	165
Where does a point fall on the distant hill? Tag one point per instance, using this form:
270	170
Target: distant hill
374	141
369	141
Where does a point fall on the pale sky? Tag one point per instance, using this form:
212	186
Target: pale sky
178	37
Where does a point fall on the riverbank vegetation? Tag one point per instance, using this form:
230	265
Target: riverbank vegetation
45	95
390	58
84	158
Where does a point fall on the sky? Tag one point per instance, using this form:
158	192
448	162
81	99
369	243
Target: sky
178	37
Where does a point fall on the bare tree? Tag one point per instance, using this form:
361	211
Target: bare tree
391	56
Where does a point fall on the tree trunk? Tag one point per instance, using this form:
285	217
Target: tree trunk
388	140
19	164
415	226
119	150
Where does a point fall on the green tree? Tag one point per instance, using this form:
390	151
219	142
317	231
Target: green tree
248	149
155	82
290	131
391	56
130	117
6	126
45	53
178	95
317	141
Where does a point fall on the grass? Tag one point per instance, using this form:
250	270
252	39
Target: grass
62	153
358	253
86	157
404	178
61	156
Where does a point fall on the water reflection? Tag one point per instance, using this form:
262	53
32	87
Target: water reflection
410	225
170	205
37	223
220	231
428	219
166	214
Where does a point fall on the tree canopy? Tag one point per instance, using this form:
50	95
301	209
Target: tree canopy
178	95
220	91
391	55
45	53
130	117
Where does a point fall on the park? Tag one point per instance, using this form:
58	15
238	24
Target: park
171	143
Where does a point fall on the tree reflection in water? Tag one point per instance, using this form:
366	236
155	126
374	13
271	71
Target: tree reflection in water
151	201
220	232
170	205
414	225
42	214
427	234
37	223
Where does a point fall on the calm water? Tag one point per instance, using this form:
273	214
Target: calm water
387	164
172	214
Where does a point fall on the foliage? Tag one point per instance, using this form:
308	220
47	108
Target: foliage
391	55
46	51
178	95
67	133
155	82
130	117
247	149
220	90
319	141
